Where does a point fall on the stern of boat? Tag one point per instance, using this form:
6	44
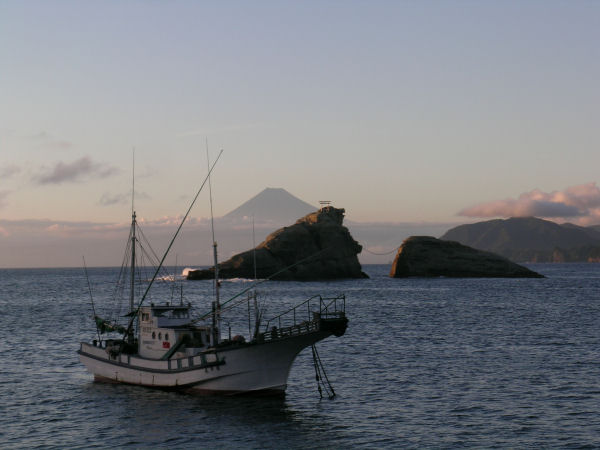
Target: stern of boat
326	317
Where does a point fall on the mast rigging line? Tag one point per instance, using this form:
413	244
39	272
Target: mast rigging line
91	297
171	244
147	257
118	290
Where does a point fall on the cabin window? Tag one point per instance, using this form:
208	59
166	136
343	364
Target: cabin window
154	335
159	335
166	336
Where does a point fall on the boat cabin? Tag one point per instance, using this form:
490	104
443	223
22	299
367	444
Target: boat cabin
166	331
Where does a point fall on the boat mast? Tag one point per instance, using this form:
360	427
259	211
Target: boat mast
133	225
256	316
216	307
160	264
132	286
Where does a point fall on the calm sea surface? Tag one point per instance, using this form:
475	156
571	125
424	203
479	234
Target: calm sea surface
424	363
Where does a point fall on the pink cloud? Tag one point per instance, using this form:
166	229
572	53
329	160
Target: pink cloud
580	204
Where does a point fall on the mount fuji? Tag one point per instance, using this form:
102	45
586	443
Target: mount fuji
272	205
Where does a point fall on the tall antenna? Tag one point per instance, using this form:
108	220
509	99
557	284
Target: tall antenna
212	221
254	247
132	181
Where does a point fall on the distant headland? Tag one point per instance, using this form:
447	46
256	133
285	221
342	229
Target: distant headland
529	239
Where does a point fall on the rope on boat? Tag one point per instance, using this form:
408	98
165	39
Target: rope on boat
321	375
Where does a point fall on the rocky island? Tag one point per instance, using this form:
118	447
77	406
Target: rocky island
424	256
316	247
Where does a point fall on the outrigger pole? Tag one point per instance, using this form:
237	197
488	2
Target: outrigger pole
135	313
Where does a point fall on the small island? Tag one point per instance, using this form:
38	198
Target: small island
317	247
424	256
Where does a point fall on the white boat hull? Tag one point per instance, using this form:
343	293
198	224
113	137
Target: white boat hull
244	368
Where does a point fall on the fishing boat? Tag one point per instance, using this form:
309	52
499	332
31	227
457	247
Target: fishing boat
164	344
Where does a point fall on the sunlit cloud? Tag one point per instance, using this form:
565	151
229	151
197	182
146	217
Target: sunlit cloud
580	204
172	221
61	242
44	229
75	171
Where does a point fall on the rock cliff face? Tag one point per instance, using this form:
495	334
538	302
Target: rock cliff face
316	247
423	256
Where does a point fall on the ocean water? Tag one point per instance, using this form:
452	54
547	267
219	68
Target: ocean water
425	363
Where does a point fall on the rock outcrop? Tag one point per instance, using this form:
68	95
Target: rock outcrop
316	247
424	256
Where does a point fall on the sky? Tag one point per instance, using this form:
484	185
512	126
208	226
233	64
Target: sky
398	111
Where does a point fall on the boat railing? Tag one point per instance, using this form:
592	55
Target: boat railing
305	316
